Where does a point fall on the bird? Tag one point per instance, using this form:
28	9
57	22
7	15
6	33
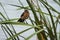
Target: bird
24	16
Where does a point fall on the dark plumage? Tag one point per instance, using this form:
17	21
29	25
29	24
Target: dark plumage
24	16
20	20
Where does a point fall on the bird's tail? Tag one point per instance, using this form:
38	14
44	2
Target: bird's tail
20	20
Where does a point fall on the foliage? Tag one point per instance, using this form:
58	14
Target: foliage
44	23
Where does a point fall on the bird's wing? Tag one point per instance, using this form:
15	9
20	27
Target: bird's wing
22	14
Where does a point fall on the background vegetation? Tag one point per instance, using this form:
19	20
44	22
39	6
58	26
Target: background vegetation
45	23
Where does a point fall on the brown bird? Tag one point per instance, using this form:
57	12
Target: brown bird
24	16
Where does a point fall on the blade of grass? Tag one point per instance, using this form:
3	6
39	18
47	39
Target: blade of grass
31	20
3	16
20	33
45	23
5	24
3	29
33	10
56	2
34	34
50	7
52	21
17	23
10	24
4	10
20	3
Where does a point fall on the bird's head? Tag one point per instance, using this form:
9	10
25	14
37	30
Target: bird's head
26	11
